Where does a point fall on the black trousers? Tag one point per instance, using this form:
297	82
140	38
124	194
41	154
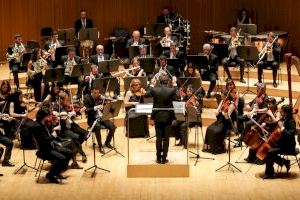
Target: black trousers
179	129
238	61
263	65
111	131
7	142
273	157
15	70
61	157
163	131
212	77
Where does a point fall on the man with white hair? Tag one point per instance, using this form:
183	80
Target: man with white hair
100	56
211	73
133	44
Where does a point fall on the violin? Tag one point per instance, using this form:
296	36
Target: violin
192	101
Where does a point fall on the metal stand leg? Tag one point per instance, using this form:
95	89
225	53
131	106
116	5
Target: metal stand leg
229	164
248	91
95	166
113	149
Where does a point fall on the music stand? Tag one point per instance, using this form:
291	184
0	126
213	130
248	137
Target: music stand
67	35
159	29
228	163
106	83
61	51
107	66
179	110
248	53
248	28
127	81
194	116
148	64
195	81
54	75
95	166
88	34
110	111
81	70
221	50
133	51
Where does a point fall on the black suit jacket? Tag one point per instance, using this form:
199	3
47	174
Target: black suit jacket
78	24
163	97
213	63
43	138
287	140
89	103
180	56
65	58
86	85
94	58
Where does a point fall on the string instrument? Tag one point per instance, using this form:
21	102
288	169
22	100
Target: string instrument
192	101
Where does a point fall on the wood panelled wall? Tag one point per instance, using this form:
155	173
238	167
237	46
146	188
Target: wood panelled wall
29	16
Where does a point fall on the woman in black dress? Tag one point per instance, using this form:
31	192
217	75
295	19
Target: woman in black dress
226	112
138	124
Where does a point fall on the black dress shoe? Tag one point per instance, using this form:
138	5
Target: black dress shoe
275	85
179	143
158	160
75	166
164	161
242	80
7	164
108	145
101	149
61	177
52	179
268	176
1	174
84	158
248	160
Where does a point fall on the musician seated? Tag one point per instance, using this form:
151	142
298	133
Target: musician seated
69	61
165	42
192	99
69	128
138	125
53	96
18	110
35	69
94	104
191	71
244	17
14	56
100	56
50	47
166	68
233	58
83	22
136	40
271	59
286	143
175	53
48	147
211	73
134	69
143	51
6	140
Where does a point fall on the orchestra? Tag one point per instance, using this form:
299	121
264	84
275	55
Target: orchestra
58	137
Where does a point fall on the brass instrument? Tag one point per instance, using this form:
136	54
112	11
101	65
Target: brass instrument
50	53
69	65
166	42
267	48
17	54
39	66
86	46
235	42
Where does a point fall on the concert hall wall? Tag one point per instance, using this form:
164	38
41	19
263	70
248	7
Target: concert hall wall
29	16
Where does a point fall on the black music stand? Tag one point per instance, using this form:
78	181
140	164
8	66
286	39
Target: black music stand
81	70
248	53
106	83
128	79
194	116
229	163
148	64
107	66
195	81
133	51
110	111
221	50
95	166
23	150
247	28
88	34
61	51
54	75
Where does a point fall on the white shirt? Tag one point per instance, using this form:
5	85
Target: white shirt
100	57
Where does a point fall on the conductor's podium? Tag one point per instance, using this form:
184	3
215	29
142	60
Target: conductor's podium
142	152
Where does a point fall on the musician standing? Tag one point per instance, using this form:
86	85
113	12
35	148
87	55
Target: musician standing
286	143
14	56
83	22
211	74
163	97
94	104
270	59
165	16
233	57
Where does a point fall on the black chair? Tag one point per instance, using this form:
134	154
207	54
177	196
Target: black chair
286	156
